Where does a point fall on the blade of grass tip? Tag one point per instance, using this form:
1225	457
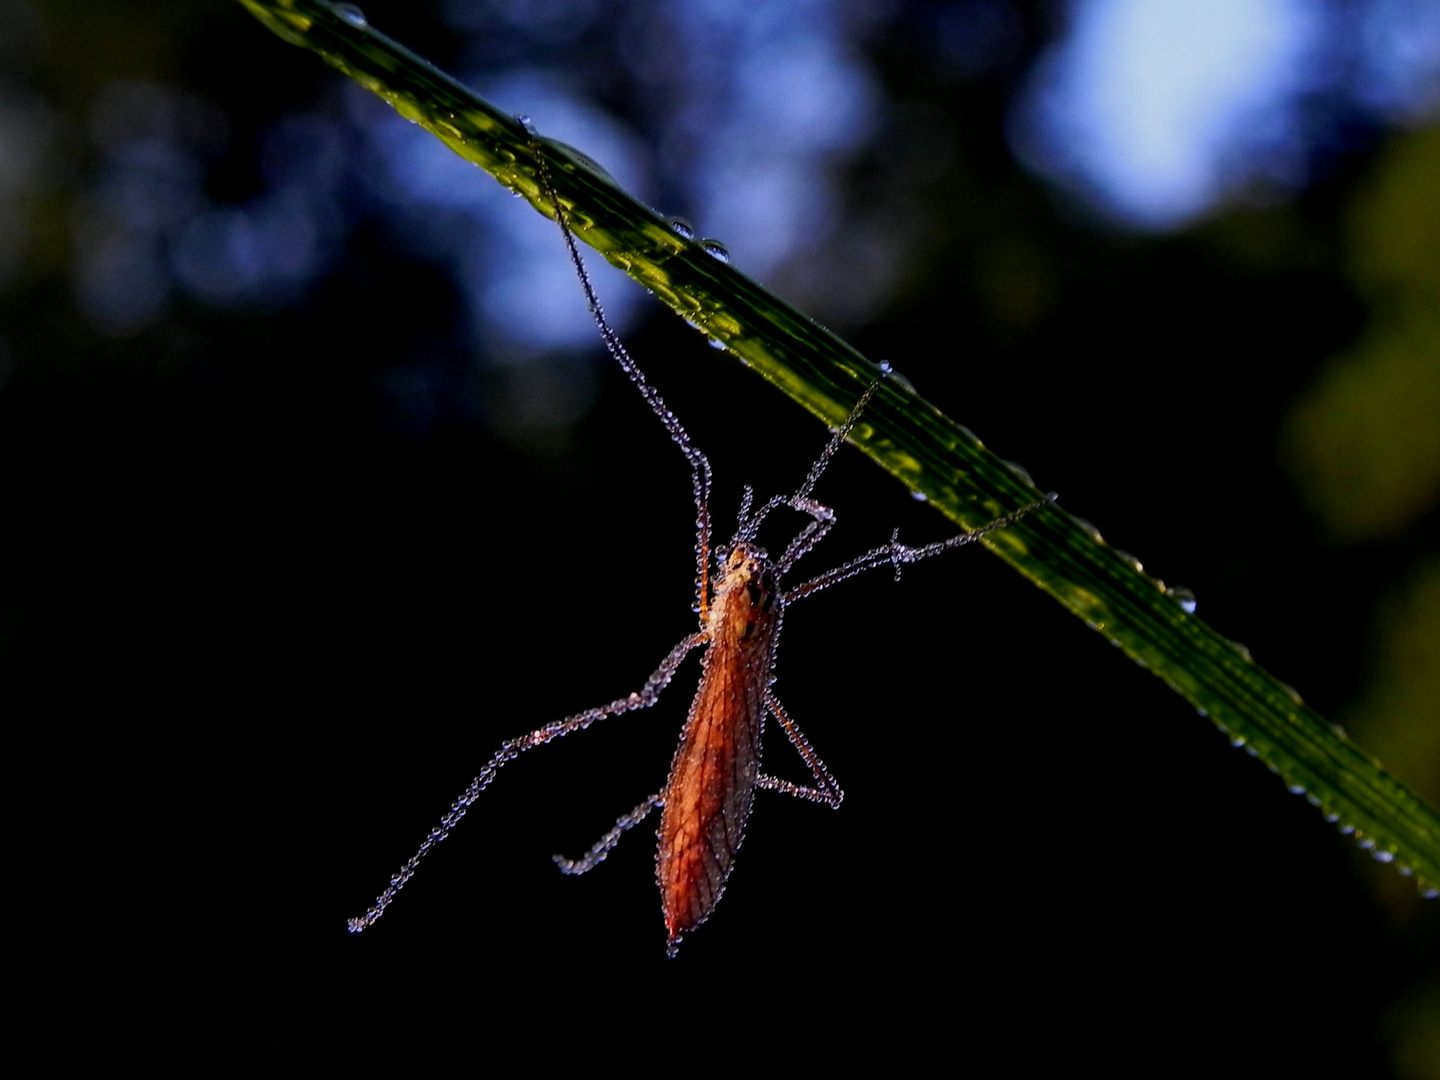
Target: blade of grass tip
931	454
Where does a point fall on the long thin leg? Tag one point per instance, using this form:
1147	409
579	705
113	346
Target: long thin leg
699	463
836	441
801	499
596	855
897	554
812	534
827	790
641	699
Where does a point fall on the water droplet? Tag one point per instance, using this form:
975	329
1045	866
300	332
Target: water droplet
681	227
716	343
1020	471
1367	844
1252	751
1331	817
526	123
1130	560
884	366
1184	597
1384	856
1206	712
919	496
1089	529
1292	693
1430	892
1238	740
902	381
1312	799
351	14
1295	789
1242	650
1403	870
1346	830
716	249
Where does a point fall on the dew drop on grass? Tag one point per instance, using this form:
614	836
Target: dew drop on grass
1022	472
1184	597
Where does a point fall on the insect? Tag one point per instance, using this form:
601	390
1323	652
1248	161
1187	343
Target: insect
706	800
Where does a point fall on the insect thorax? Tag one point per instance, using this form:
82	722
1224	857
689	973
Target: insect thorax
747	601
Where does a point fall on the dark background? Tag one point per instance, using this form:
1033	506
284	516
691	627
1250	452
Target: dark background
285	562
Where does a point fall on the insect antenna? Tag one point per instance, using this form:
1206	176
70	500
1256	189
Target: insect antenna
699	463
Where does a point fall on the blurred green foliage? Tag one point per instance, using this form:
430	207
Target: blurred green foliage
1364	443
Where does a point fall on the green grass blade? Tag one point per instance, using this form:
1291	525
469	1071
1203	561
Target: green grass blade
927	451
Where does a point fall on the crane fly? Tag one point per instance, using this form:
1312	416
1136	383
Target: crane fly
706	800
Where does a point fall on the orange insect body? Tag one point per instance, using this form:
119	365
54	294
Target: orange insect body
717	764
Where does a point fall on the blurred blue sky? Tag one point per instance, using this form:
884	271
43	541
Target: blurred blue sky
1149	112
1146	114
1157	110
